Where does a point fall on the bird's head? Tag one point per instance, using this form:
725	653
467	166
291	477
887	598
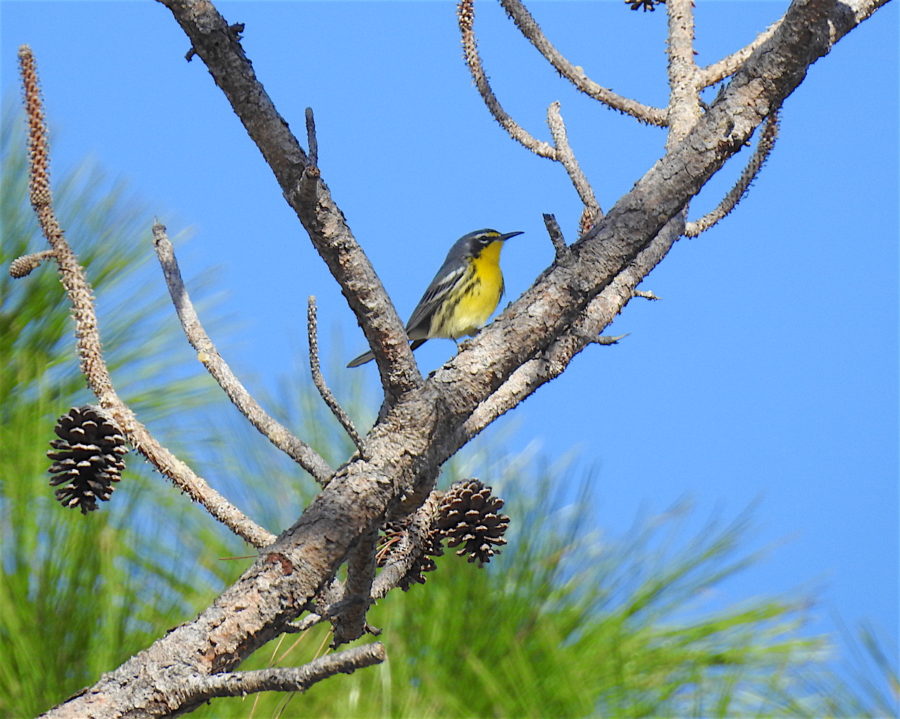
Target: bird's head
473	243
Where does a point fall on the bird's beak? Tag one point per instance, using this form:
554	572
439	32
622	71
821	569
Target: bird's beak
508	235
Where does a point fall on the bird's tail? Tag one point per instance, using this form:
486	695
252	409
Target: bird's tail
368	356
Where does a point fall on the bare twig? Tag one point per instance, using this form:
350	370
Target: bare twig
319	379
556	236
466	16
646	294
208	354
742	186
312	140
607	339
93	365
711	74
284	679
351	623
576	75
567	159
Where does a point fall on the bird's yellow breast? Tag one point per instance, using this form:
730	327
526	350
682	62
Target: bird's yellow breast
477	297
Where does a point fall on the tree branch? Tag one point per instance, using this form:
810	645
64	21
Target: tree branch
312	139
87	332
684	88
208	354
319	380
282	679
466	16
556	236
727	66
598	315
576	75
351	623
221	51
567	159
742	186
402	559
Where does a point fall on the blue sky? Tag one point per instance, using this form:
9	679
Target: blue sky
768	372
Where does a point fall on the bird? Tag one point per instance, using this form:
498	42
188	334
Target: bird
463	294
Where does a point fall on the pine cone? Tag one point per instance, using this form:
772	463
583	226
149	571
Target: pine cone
645	4
87	457
470	515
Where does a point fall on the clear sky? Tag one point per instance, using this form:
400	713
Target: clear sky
767	373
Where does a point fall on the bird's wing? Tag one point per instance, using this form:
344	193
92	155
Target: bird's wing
446	277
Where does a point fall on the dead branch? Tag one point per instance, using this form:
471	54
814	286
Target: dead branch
684	88
282	679
575	74
402	559
737	193
312	140
598	314
466	16
727	66
319	379
567	159
351	623
221	51
87	332
556	236
208	354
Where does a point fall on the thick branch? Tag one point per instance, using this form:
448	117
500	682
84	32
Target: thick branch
221	50
87	331
576	75
274	431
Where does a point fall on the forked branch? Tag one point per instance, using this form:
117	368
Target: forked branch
575	74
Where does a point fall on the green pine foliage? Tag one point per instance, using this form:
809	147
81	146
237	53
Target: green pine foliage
566	622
